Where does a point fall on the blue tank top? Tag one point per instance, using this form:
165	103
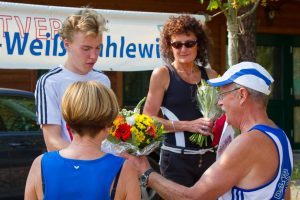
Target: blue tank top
65	178
276	188
180	99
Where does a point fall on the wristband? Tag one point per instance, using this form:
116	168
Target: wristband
173	126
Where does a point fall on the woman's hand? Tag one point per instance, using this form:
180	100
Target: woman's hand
200	125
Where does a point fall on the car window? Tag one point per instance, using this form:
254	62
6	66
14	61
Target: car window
17	114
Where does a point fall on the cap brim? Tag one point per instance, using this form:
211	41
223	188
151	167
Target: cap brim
217	82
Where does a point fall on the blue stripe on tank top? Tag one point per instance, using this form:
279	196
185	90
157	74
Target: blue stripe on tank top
242	195
43	102
285	154
286	170
232	194
237	195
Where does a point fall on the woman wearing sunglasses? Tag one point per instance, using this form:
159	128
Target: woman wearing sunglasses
172	89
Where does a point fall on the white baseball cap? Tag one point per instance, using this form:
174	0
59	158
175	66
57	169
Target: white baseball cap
247	74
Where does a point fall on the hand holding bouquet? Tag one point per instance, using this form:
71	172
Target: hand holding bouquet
134	133
207	98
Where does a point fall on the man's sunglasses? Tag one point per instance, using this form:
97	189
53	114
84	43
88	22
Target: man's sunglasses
187	44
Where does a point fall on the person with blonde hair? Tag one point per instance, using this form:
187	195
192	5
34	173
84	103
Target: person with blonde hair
82	170
82	36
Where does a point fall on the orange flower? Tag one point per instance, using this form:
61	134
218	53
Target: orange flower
119	120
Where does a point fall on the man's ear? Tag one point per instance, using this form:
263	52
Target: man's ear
67	43
243	95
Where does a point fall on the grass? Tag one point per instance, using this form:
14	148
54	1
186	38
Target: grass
295	181
296	170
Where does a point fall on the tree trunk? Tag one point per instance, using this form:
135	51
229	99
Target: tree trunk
232	31
247	41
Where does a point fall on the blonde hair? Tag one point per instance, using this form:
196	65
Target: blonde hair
87	21
88	107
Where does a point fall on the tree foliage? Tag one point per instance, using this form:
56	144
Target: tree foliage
234	21
219	4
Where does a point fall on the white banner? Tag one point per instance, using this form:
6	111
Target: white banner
29	38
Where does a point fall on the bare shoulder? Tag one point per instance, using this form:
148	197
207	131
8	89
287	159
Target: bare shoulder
256	140
33	188
245	149
160	77
161	72
251	149
239	146
248	142
211	73
35	170
36	165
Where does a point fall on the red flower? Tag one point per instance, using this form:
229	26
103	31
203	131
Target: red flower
218	129
150	131
123	132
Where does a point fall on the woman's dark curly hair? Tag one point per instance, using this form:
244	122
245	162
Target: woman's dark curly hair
184	24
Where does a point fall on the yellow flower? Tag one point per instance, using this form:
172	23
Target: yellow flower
143	128
235	4
134	130
113	133
140	125
147	120
139	135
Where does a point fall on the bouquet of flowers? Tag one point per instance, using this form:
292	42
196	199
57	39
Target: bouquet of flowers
132	132
207	97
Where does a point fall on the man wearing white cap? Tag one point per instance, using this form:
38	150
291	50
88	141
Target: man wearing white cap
257	164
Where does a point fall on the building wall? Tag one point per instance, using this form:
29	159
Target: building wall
18	79
280	17
26	79
285	21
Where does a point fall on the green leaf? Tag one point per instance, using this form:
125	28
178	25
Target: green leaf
244	2
213	4
137	109
133	140
113	139
198	139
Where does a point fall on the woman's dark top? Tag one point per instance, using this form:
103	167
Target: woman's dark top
180	98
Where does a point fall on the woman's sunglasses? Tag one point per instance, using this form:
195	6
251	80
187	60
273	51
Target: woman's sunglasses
187	44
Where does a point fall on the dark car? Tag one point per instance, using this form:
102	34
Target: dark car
21	140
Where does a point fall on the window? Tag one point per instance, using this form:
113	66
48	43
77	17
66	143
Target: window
17	114
280	54
270	57
135	87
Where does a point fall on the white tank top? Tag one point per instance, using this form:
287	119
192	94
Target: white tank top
276	188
